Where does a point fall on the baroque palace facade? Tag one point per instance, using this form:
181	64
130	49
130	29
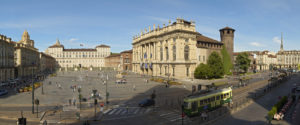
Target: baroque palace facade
26	57
175	50
6	58
71	58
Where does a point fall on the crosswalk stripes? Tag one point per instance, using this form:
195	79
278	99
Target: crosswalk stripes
125	111
174	116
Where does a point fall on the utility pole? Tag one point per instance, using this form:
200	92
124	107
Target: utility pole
32	89
106	99
95	101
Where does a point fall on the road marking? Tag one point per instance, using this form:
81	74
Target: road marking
106	111
175	119
117	112
147	110
124	111
166	114
136	111
112	111
171	116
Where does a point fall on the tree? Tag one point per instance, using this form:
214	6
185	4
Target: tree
226	61
243	61
201	71
215	65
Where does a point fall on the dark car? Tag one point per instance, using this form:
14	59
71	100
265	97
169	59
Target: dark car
3	92
146	102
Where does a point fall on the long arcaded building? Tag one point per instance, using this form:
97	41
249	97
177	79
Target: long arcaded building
71	58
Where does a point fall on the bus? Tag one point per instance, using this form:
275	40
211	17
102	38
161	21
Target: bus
196	104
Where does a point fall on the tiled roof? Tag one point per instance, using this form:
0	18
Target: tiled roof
127	51
56	46
113	55
80	50
227	28
102	45
202	38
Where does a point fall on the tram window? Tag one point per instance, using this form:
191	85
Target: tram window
201	102
222	96
194	106
218	97
212	99
227	94
208	100
205	101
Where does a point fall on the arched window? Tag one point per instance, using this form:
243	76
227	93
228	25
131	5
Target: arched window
167	53
186	52
174	52
161	53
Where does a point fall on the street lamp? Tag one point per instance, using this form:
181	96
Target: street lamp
79	96
95	100
32	99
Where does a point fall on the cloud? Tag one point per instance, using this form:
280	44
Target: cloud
163	20
73	40
276	40
256	44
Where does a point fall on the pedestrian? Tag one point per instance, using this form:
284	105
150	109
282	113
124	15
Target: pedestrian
133	87
70	102
74	101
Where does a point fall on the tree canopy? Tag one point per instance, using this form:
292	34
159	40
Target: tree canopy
213	69
243	61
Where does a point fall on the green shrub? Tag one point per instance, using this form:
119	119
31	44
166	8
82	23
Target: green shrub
227	63
201	71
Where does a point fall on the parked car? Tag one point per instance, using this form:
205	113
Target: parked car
3	92
146	102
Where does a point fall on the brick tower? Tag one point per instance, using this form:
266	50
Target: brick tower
227	35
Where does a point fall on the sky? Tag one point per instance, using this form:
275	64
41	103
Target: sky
258	23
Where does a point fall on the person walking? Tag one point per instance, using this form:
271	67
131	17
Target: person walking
133	87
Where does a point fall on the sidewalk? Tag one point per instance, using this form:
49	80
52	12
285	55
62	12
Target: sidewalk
13	115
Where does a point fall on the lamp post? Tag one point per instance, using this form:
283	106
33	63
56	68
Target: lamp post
37	102
79	97
32	99
95	100
107	94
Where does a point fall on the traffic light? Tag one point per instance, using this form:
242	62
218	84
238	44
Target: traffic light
21	121
96	101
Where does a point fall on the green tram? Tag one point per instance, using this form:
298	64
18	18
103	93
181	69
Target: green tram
195	104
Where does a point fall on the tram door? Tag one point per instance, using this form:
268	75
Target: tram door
194	106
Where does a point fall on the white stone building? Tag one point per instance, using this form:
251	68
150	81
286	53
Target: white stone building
71	58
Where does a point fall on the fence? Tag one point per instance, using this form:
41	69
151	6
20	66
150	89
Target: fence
210	117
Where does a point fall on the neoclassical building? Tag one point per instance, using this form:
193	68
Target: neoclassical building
47	63
26	57
126	60
6	58
176	49
70	58
265	60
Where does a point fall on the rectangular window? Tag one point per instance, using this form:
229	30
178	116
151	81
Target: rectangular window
218	97
199	58
222	96
203	58
209	100
173	71
201	102
165	70
205	101
212	99
187	71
